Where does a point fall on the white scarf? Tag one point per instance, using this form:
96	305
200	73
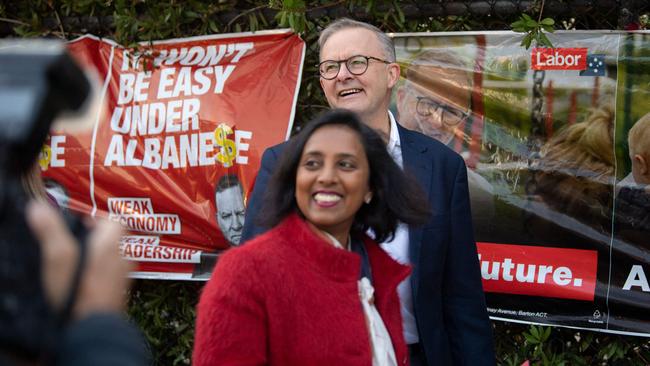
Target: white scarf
383	352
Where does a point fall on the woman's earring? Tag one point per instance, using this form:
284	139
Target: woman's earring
368	198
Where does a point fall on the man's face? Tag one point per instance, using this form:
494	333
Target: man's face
230	213
444	105
364	94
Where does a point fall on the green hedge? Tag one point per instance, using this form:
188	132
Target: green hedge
165	310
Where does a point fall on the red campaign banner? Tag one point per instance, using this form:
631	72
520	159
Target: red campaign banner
175	152
538	271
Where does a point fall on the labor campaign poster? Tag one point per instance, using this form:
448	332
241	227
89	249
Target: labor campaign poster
174	150
557	147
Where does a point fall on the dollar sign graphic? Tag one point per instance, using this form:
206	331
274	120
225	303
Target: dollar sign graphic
44	157
228	149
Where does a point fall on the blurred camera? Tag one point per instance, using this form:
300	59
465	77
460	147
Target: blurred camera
38	81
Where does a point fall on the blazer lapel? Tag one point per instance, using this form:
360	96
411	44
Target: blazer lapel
414	156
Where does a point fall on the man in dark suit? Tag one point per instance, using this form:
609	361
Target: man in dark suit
443	306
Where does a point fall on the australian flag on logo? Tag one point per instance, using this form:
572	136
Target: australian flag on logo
595	66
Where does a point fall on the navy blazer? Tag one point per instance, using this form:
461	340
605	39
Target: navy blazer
448	298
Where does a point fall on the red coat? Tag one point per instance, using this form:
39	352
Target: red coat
289	297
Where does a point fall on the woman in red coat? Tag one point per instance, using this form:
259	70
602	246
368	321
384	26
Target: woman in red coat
316	290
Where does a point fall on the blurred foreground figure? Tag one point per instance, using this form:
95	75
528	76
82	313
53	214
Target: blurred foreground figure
62	286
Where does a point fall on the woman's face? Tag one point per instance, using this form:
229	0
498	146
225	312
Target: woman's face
332	179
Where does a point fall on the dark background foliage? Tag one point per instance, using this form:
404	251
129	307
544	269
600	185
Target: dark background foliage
165	310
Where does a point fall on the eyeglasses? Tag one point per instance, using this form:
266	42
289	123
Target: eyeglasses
450	115
356	65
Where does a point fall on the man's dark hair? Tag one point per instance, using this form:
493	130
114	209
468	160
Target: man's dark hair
227	181
396	196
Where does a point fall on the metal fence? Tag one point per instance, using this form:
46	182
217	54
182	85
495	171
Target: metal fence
434	15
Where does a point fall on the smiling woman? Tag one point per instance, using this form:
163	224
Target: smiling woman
292	295
332	180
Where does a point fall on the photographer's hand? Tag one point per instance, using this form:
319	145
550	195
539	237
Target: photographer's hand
98	335
104	279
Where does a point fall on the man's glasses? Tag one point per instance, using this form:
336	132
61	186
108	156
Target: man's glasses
450	115
356	65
